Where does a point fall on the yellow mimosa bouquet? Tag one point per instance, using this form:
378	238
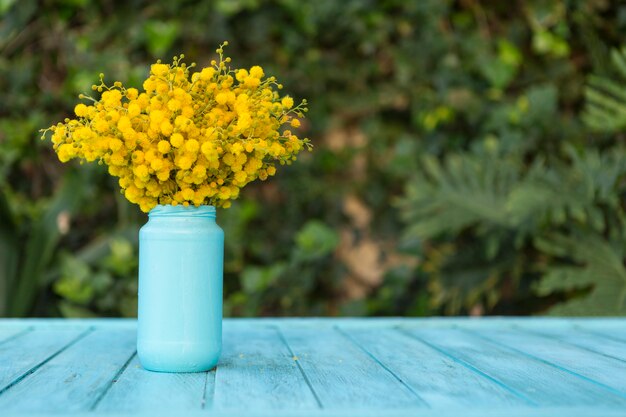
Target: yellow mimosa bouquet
187	138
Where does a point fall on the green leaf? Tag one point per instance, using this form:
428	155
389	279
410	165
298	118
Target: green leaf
161	35
545	42
605	107
74	283
72	311
123	257
255	279
316	240
599	268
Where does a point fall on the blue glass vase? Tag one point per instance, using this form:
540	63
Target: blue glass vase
181	257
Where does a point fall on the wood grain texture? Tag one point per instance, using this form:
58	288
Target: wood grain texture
597	411
438	379
22	355
436	367
257	370
10	332
586	340
75	378
342	375
425	412
607	372
139	390
538	382
616	324
611	331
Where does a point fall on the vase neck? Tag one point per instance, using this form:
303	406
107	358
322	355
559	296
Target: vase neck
182	211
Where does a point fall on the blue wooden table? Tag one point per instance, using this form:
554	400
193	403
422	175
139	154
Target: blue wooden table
324	367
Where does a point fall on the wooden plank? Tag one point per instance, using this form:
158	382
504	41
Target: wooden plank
343	376
9	333
430	322
388	322
611	331
21	355
257	371
373	322
138	390
314	322
65	323
419	365
586	340
76	378
600	369
539	382
451	412
439	380
612	326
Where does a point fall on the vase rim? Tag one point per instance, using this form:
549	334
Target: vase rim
168	210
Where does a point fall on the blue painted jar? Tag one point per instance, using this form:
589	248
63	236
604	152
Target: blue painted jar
181	257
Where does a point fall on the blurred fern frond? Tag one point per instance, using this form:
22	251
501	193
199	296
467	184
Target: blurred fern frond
606	99
598	270
487	220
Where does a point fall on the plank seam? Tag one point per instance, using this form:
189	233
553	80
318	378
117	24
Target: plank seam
206	382
45	361
304	375
112	381
564	342
470	367
537	358
18	334
385	367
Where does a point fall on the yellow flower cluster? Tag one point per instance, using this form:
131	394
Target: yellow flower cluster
190	139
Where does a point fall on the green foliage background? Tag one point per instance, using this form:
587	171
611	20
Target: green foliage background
468	156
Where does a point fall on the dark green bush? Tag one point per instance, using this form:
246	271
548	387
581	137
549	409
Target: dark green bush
452	171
